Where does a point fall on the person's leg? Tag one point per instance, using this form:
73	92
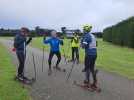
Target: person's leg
77	54
21	59
92	68
58	54
85	64
72	54
87	70
51	54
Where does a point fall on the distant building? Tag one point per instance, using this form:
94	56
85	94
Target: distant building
41	31
69	32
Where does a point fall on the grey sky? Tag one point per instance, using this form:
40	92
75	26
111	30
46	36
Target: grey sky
70	13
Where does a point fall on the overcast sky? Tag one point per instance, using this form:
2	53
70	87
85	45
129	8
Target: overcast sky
70	13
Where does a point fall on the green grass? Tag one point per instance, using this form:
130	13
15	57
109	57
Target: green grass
111	58
9	89
116	59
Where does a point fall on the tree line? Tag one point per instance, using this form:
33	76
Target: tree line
121	34
37	32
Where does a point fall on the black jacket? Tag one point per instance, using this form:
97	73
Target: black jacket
20	42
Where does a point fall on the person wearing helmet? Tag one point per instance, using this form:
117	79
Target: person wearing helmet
54	43
88	42
75	47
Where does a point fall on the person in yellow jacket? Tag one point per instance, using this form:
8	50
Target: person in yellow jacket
75	47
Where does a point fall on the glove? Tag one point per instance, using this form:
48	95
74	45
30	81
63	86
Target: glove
13	49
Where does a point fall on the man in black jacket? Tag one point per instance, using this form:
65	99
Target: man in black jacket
20	43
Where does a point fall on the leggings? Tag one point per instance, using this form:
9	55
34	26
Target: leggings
90	66
58	54
21	59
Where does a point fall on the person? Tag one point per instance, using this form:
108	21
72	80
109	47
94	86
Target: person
54	43
75	47
88	42
20	43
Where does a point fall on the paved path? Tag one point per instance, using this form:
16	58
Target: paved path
55	87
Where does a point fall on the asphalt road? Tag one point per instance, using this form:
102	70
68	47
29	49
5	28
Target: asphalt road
55	87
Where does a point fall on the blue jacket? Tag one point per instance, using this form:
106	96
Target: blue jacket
54	44
88	42
20	42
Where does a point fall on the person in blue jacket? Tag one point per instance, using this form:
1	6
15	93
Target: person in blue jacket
88	42
54	43
20	43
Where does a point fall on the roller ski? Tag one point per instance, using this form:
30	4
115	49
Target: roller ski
88	87
84	86
25	80
96	88
94	85
59	69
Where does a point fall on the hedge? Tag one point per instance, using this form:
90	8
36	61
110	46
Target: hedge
121	33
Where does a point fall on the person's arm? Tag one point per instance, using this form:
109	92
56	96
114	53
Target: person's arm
96	43
76	40
16	42
46	41
72	39
85	41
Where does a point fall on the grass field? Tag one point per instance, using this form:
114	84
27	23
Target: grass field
111	58
9	89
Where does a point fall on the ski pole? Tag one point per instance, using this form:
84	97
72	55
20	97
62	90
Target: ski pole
69	75
43	59
34	67
25	58
65	55
65	59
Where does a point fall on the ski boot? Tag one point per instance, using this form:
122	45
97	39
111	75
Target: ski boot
94	85
86	83
19	78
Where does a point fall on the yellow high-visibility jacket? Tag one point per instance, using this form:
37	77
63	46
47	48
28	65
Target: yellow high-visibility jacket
75	42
